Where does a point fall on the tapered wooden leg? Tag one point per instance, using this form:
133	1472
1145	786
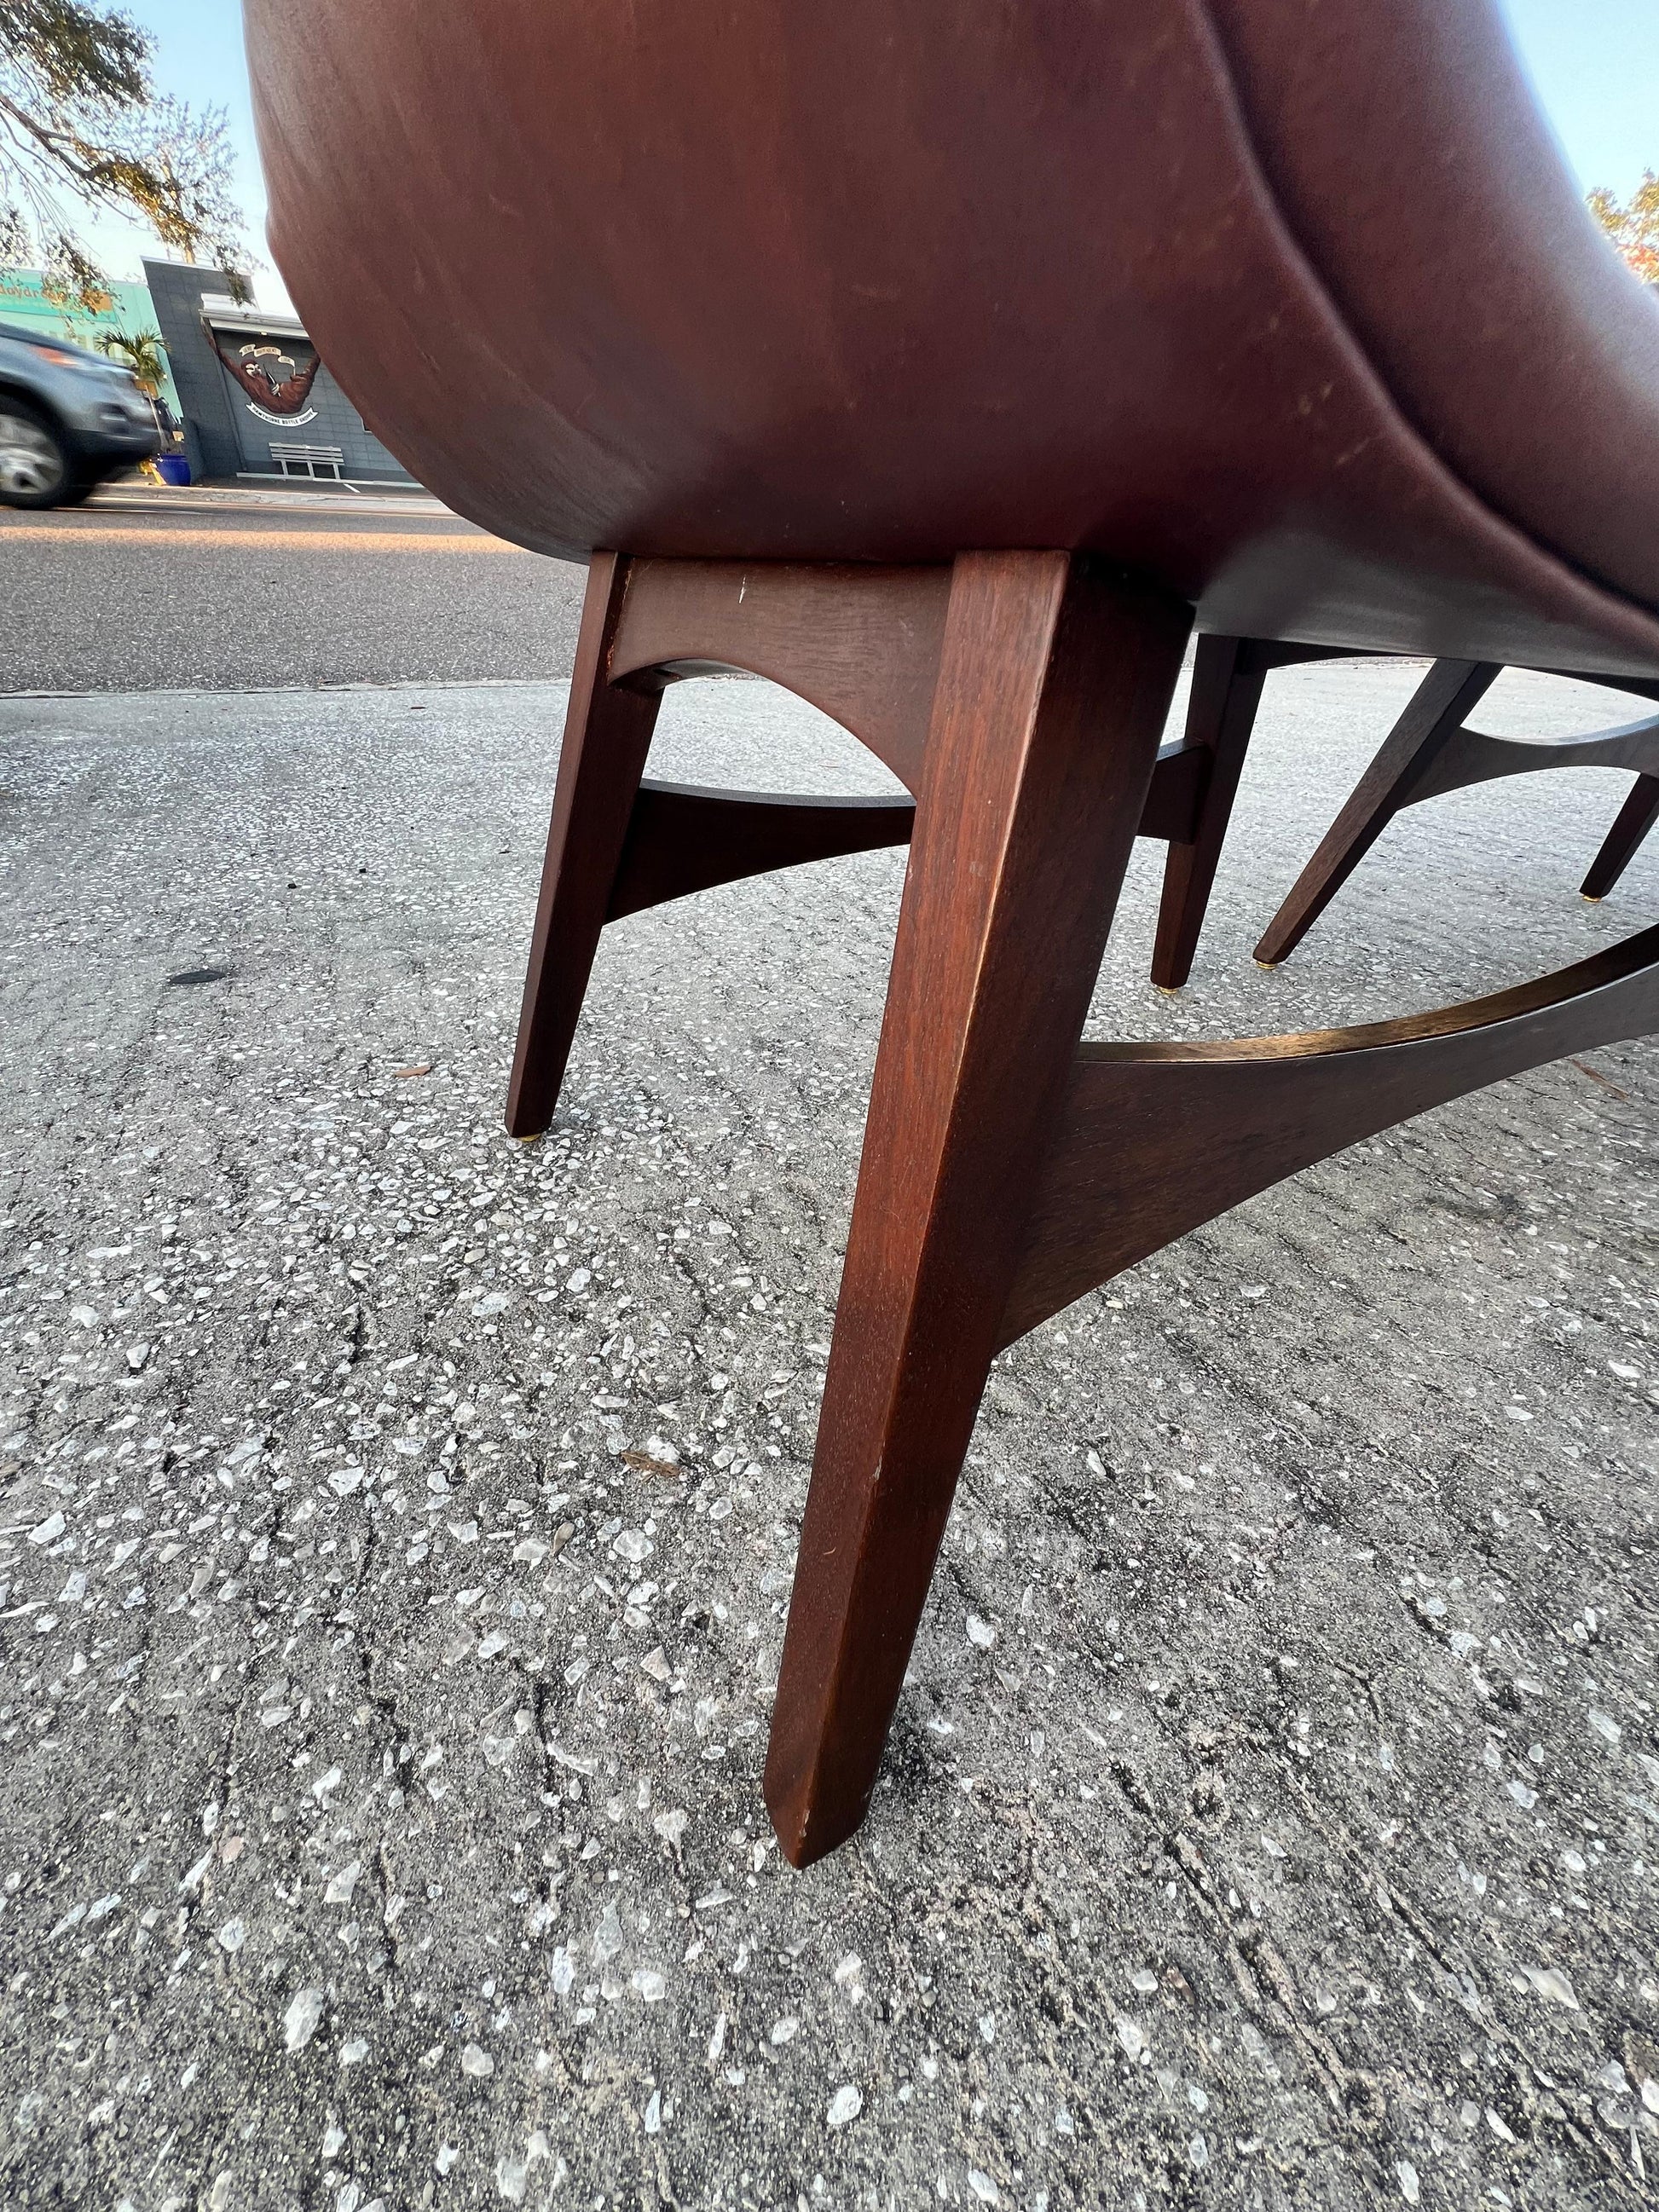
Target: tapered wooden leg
1439	707
1221	713
1053	686
607	734
1624	840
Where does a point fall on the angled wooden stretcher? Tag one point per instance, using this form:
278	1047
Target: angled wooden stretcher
945	365
1432	750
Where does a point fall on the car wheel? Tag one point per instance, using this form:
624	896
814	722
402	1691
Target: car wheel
34	462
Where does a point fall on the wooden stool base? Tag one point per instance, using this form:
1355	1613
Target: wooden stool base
1007	1169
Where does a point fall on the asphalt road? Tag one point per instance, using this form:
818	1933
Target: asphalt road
140	592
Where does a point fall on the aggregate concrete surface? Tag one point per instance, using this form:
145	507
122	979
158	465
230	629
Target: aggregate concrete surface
399	1525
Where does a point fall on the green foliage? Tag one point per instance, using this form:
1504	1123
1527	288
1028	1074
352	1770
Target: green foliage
142	352
80	119
1631	224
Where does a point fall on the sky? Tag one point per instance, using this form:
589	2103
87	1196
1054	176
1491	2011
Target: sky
1594	63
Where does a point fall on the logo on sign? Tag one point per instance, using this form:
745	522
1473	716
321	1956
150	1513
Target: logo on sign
276	386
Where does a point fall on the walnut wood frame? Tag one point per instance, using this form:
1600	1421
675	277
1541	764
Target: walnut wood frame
1228	675
863	644
1431	750
1007	1168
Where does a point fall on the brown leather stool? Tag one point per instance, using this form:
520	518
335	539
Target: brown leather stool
945	364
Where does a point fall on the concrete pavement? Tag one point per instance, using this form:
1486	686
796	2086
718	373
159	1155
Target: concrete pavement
397	1525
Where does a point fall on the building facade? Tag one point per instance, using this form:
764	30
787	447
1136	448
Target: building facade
255	400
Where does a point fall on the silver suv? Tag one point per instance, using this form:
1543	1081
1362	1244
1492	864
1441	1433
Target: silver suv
69	419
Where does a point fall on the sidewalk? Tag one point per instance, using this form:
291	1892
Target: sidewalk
399	1524
289	499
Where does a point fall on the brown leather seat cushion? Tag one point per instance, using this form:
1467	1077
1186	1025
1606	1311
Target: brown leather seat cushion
1438	214
778	279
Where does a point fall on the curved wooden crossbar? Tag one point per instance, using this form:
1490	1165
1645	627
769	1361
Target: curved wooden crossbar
861	644
1431	750
1634	687
1173	1134
683	839
1474	757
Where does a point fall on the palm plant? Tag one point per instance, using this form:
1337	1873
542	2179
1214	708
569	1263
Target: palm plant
143	353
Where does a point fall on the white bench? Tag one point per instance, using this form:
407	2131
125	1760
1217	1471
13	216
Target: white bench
325	462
